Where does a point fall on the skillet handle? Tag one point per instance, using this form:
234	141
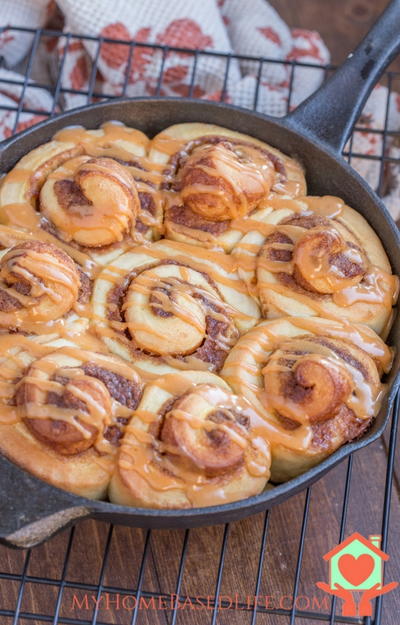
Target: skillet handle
32	510
330	113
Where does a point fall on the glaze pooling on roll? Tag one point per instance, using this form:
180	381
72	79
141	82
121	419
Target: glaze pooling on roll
316	381
93	189
83	276
172	306
40	289
191	442
302	262
91	201
222	181
216	179
63	411
72	395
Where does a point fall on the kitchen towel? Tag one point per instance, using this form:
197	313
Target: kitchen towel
242	28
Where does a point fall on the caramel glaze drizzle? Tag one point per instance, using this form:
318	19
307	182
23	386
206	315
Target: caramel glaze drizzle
311	259
126	147
326	206
70	399
181	220
119	143
172	310
300	382
198	442
92	201
92	409
38	283
178	150
221	181
195	316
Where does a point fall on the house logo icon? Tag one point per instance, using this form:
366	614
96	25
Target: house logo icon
356	571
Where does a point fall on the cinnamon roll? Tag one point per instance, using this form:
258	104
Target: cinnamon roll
63	412
91	189
42	290
215	179
172	306
315	381
191	442
110	339
316	256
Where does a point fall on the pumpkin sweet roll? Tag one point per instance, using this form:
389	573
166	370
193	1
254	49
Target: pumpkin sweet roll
191	442
90	189
172	306
316	256
216	179
63	412
315	381
42	290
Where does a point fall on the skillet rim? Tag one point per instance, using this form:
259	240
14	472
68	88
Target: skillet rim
268	498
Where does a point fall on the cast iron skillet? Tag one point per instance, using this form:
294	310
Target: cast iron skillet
32	510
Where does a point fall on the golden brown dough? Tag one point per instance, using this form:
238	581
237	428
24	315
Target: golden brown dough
315	381
63	411
91	201
219	182
172	306
92	189
111	339
216	179
42	290
316	256
190	443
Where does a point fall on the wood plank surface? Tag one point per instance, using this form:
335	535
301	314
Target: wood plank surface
238	582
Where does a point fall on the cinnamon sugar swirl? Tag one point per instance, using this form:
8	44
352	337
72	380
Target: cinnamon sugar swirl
91	189
316	256
315	381
191	442
42	290
172	306
63	411
139	369
215	179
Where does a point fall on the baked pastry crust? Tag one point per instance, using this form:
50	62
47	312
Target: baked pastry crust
172	306
190	443
63	411
216	179
316	382
42	290
93	190
317	256
140	369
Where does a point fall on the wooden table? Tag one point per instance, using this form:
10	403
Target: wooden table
238	582
42	585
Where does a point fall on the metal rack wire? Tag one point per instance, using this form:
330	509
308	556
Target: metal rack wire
154	566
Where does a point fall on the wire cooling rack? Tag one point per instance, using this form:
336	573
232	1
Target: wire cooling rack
258	571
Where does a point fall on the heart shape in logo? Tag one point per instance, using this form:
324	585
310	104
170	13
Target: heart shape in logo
356	570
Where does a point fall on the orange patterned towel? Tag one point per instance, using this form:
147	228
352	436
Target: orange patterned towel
248	28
